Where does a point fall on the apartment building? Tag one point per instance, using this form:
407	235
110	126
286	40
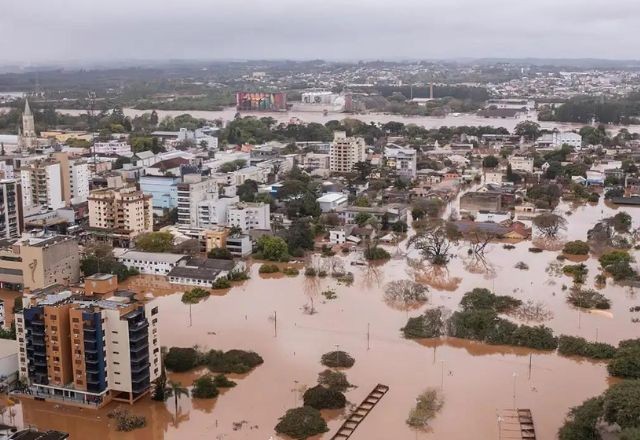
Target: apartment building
42	184
118	148
11	219
345	152
199	205
74	176
402	160
249	216
122	213
164	190
86	351
521	163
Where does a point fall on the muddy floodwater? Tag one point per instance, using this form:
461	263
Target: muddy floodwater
477	380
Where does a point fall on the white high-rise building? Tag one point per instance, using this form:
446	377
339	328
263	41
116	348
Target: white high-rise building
42	185
403	160
249	216
10	209
191	193
345	152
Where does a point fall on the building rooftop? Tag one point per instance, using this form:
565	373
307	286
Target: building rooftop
29	434
160	257
331	197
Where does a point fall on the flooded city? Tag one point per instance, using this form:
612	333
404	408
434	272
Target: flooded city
271	317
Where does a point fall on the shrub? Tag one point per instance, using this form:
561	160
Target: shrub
238	275
310	272
535	250
269	268
375	253
220	254
522	265
617	263
290	271
329	294
480	298
577	271
194	295
539	337
301	423
322	273
204	388
582	420
508	247
320	397
577	247
337	359
431	324
594	197
334	380
125	421
221	381
621	404
181	359
588	299
626	362
221	283
575	346
428	404
232	361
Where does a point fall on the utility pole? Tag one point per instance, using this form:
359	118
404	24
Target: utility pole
275	324
368	336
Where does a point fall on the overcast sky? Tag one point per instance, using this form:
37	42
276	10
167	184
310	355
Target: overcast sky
59	30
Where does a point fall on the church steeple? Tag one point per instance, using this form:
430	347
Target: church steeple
29	137
27	109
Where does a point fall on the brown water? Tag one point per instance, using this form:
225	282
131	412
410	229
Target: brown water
462	119
477	380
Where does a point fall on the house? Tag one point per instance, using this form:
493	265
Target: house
167	167
338	236
481	201
200	272
556	140
595	178
494	177
392	213
331	201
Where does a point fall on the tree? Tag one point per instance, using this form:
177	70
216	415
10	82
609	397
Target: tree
204	388
334	380
220	254
484	299
194	295
614	193
530	130
490	162
337	359
626	361
361	218
550	224
320	397
301	423
433	243
621	222
176	390
428	404
581	421
160	387
155	242
180	359
247	191
273	248
576	247
405	294
431	324
618	264
299	237
363	169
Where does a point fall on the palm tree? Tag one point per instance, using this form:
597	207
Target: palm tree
176	390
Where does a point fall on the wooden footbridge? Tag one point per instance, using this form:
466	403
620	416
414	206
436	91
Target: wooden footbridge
516	424
353	421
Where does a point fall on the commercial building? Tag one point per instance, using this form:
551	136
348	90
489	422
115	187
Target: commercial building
239	245
557	139
345	152
11	217
200	272
163	189
249	216
122	213
85	351
148	263
42	184
331	201
402	160
481	201
193	190
119	148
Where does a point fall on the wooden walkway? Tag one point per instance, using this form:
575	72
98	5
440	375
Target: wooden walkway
349	426
516	424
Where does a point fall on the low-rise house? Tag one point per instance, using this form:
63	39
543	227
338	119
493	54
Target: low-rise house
148	263
201	272
392	212
521	163
481	201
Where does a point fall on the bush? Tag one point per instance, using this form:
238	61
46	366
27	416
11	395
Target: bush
522	265
320	397
238	275
194	295
273	248
269	268
376	253
480	299
582	420
577	247
431	324
594	197
221	381
337	359
428	404
618	264
322	273
301	423
125	421
539	337
334	380
204	388
577	271
220	254
575	346
310	272
626	361
535	250
508	247
221	283
588	299
181	359
291	271
232	361
621	404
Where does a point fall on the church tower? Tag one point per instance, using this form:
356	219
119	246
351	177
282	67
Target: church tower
29	137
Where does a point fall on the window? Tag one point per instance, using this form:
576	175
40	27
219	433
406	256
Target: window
154	311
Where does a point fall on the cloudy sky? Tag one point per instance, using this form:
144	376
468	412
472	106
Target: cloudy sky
61	30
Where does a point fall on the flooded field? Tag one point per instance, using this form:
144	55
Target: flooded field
477	380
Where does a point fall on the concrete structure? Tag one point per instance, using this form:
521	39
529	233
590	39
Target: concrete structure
148	263
11	217
163	189
249	216
74	178
402	160
239	245
557	139
80	350
42	184
521	163
121	213
119	148
8	361
481	201
331	201
345	152
316	161
493	177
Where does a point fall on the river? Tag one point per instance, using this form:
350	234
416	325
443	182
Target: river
461	119
476	379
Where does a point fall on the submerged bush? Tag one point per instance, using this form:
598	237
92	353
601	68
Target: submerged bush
232	361
575	346
269	268
428	404
577	247
588	299
626	361
334	380
181	359
483	299
204	388
125	421
337	359
320	397
301	423
431	324
194	295
221	381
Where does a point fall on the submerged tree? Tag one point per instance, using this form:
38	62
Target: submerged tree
550	224
405	294
428	404
434	243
